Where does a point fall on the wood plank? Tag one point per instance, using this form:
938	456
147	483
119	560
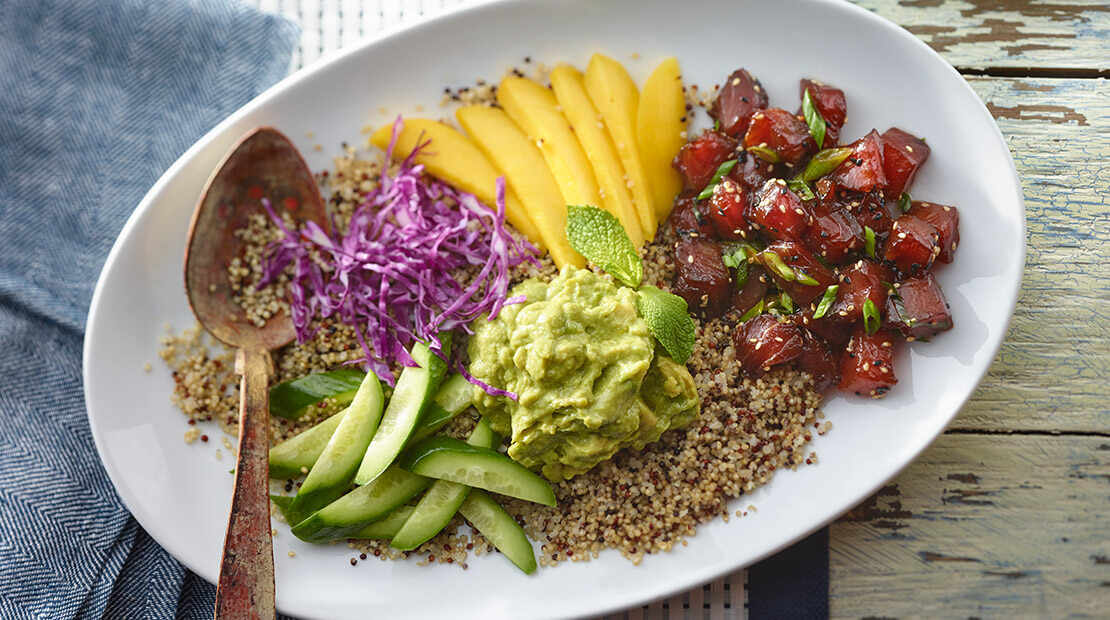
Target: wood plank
981	526
983	34
1049	375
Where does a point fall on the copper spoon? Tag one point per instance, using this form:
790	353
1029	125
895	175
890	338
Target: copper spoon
264	164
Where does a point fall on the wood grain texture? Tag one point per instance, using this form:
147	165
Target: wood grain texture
985	34
998	527
1048	375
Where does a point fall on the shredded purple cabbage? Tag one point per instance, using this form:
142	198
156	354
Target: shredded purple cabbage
392	277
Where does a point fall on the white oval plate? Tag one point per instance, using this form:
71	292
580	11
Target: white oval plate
180	493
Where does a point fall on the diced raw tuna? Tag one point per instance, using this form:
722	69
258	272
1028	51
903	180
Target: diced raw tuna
913	245
778	212
689	219
869	210
903	154
818	361
752	172
863	170
739	96
698	160
765	341
946	220
701	277
726	209
836	333
866	365
782	132
834	235
919	309
859	282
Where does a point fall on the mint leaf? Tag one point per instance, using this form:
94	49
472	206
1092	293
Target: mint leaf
669	320
599	236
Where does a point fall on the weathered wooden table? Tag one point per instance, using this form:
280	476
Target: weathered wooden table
1008	513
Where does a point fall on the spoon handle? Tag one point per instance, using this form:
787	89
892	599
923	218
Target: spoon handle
246	585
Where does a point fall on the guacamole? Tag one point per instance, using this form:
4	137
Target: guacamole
584	367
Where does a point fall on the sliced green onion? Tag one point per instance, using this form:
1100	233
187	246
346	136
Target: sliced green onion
826	301
737	260
869	239
722	170
774	262
804	278
871	318
786	302
716	125
824	162
801	188
904	202
741	274
765	154
750	249
814	119
752	312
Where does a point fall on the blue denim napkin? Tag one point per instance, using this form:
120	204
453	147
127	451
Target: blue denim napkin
97	99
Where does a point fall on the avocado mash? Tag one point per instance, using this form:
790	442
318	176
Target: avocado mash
585	369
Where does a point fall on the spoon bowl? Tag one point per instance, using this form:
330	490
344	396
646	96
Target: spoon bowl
263	165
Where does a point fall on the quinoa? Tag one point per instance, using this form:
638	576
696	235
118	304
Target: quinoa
485	93
638	502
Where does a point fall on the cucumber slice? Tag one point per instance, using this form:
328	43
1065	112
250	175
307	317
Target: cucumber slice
296	455
440	502
289	457
363	505
500	528
386	528
291	399
331	475
415	388
452	398
282	502
446	458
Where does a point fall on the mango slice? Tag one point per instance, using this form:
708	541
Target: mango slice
534	109
570	92
454	159
661	129
615	95
514	155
